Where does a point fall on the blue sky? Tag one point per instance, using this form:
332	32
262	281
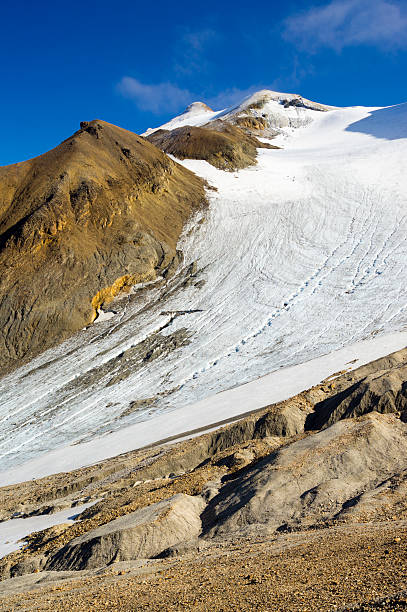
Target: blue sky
136	64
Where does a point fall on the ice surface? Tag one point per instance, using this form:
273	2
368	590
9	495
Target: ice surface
277	386
297	257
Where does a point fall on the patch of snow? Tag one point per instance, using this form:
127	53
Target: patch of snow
103	315
15	530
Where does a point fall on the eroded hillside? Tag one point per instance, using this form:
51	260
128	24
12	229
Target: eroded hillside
225	146
97	214
222	519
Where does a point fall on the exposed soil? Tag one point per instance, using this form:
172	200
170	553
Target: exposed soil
80	224
223	145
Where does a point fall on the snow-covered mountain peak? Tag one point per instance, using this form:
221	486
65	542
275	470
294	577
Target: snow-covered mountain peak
198	107
264	113
269	113
197	113
261	98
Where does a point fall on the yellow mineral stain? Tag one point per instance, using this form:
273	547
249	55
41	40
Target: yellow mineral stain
122	284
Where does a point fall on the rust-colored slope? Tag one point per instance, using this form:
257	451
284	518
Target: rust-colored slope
98	213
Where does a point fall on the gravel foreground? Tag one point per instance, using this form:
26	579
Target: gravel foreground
350	567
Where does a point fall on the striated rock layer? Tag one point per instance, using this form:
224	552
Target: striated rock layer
78	225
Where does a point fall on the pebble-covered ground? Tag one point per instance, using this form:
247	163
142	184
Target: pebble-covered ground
345	567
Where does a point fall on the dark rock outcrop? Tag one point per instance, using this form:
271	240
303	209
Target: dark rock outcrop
384	390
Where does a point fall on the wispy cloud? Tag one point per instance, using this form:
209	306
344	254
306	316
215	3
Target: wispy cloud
344	23
187	58
190	53
231	96
168	97
156	98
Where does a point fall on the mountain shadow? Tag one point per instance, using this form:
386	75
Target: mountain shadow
386	123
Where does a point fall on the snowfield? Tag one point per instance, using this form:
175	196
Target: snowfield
297	257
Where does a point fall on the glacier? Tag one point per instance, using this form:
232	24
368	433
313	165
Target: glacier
296	258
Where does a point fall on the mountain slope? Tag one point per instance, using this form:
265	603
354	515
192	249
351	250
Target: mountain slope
299	260
97	214
196	113
223	145
296	258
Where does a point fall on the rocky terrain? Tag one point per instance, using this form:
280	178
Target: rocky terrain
99	213
266	113
313	488
224	146
357	567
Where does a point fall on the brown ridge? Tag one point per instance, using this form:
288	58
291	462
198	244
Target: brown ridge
102	206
